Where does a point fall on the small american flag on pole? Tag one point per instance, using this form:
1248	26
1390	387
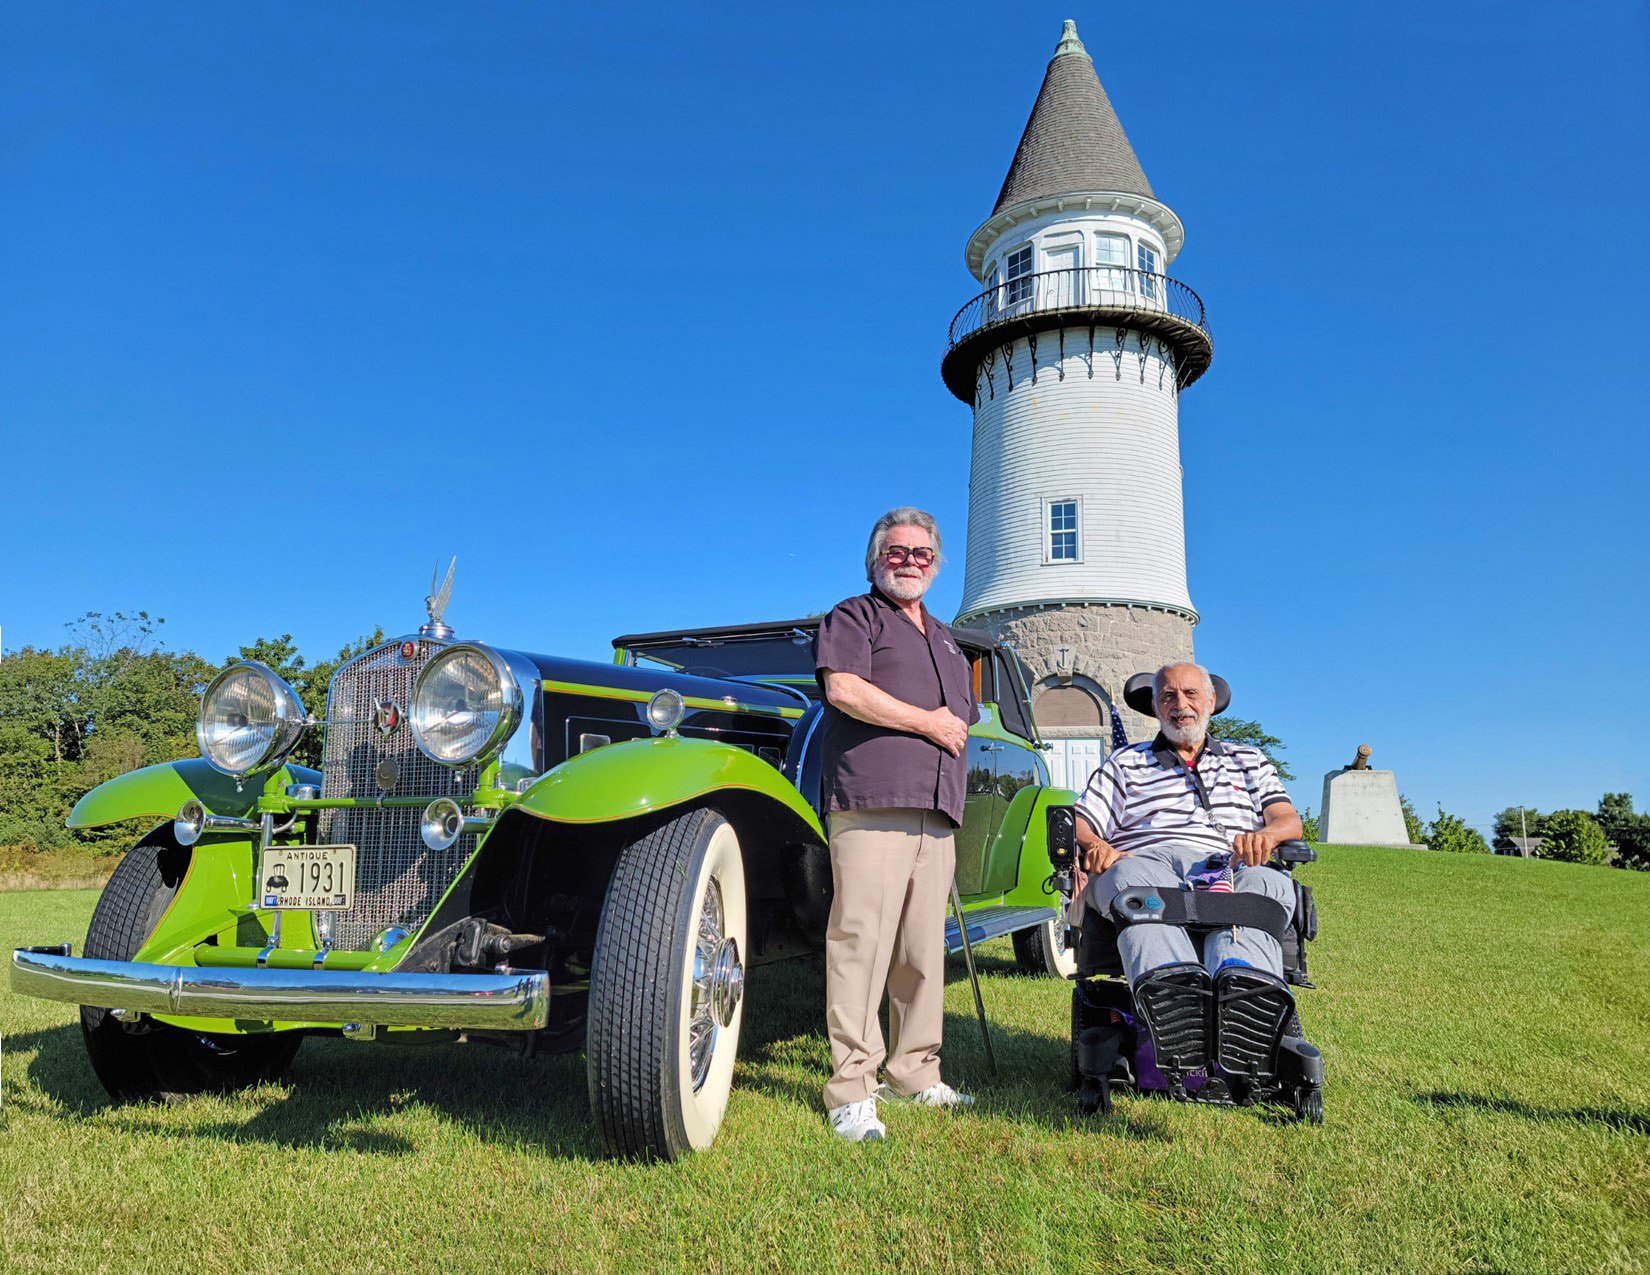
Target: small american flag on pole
1222	883
1119	736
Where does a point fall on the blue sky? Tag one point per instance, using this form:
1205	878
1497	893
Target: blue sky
639	311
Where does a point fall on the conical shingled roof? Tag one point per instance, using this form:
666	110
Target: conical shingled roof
1073	140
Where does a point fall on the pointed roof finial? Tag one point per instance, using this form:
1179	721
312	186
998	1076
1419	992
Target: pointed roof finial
1069	43
1073	140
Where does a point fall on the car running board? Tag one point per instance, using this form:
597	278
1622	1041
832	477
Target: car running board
994	922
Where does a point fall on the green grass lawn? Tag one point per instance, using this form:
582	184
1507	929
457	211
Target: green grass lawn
1486	1026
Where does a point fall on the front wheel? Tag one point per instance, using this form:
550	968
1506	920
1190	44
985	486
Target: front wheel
667	989
143	1061
1041	949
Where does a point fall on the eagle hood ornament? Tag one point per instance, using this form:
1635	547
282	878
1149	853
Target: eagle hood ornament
435	603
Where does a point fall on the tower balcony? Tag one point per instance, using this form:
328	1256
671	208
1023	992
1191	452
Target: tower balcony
1076	302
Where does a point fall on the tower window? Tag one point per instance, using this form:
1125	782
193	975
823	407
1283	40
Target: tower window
1017	271
1145	257
1060	521
993	291
1111	255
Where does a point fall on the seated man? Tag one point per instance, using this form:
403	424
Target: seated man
1154	815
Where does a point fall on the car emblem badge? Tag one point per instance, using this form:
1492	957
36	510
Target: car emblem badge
386	715
409	650
387	774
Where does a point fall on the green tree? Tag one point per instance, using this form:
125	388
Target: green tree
1309	825
1413	826
1452	835
1573	836
1628	830
1235	730
1514	820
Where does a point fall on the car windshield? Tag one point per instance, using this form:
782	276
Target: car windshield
779	657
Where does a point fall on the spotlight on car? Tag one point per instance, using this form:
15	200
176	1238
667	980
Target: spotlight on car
665	711
249	720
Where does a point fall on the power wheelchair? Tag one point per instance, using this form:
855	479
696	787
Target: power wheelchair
1233	1040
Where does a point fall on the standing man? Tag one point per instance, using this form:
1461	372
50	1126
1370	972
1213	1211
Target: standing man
899	700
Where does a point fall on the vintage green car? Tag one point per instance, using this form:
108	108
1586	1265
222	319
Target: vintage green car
537	852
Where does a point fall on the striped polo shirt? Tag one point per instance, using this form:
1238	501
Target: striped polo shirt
1143	796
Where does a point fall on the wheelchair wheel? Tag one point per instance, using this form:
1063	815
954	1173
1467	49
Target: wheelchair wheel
1309	1105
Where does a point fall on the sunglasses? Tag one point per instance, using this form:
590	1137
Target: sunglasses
898	554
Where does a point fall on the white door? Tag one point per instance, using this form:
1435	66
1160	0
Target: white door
1083	758
1072	761
1065	286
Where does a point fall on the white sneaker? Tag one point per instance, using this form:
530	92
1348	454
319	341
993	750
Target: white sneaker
941	1094
857	1121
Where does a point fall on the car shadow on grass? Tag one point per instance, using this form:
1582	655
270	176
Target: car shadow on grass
337	1091
1623	1121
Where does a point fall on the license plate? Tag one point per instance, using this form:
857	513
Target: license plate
307	879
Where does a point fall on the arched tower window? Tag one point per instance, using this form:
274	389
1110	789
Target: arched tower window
1069	708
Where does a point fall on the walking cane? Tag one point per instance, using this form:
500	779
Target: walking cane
973	978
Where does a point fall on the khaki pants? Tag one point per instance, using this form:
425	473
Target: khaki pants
892	870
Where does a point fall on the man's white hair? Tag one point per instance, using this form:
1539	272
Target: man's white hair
904	516
1157	679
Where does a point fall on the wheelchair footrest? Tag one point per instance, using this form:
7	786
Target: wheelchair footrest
1174	1002
1251	1008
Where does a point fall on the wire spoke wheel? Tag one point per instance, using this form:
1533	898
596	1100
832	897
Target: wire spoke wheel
667	989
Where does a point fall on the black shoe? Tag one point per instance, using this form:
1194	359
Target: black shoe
1174	1002
1252	1007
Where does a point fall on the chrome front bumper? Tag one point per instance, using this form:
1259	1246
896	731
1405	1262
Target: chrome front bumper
517	1001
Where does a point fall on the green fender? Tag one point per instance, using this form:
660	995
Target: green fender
622	781
159	790
1023	835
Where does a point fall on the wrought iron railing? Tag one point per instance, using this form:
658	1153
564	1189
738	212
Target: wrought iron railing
1084	288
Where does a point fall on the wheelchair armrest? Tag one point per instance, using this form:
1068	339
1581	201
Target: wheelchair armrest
1296	852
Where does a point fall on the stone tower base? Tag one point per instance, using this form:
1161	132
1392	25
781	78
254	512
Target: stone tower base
1094	648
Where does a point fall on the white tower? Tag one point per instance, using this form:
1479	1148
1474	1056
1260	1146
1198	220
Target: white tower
1073	359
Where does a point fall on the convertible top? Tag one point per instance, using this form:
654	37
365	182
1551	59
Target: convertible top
978	639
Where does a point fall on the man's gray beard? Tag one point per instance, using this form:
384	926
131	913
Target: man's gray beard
1186	736
906	590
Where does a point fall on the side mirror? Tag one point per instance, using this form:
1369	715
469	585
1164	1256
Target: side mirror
1062	837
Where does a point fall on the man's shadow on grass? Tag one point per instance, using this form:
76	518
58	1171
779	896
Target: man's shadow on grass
1624	1121
336	1090
784	1054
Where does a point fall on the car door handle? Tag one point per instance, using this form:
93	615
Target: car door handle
991	748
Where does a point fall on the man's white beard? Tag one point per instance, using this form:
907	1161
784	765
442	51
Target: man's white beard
1189	735
903	589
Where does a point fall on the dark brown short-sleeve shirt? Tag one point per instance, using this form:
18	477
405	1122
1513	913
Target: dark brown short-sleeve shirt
870	767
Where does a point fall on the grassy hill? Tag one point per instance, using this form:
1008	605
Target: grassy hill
1486	1026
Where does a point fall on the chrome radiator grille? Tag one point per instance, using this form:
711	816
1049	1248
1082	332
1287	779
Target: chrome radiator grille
397	878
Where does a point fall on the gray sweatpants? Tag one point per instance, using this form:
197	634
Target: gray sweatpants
1145	947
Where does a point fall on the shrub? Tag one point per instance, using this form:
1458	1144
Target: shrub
1573	836
1413	827
1451	834
33	835
1309	825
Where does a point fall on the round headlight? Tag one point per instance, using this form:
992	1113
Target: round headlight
249	721
465	705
